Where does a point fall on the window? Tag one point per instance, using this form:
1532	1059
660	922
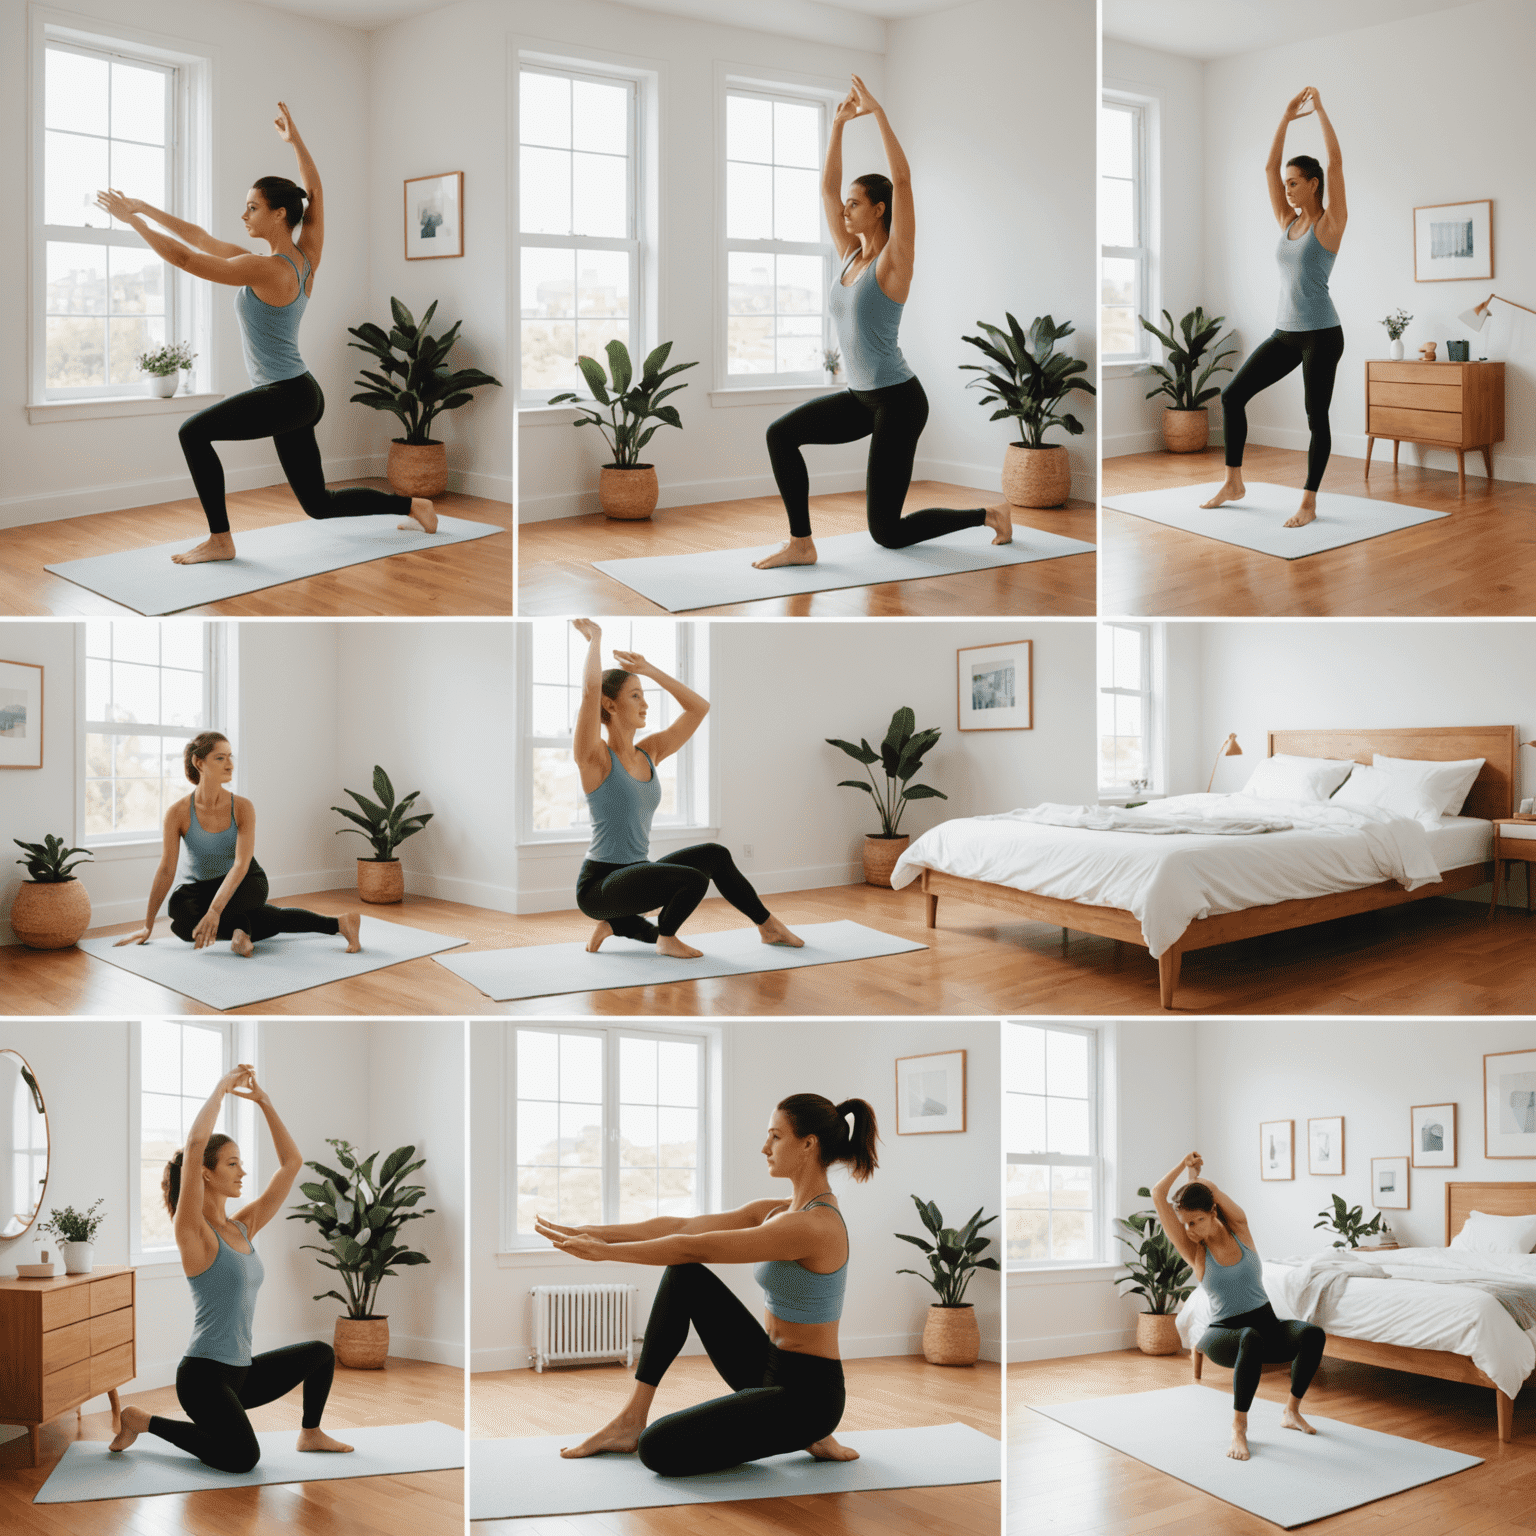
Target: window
776	251
1130	735
608	1126
1123	229
1050	1086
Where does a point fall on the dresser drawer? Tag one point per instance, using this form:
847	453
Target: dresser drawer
1420	374
1422	397
63	1389
1416	426
110	1295
111	1329
64	1346
111	1369
67	1305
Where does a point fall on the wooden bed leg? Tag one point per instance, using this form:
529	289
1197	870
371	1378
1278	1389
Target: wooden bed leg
1197	1360
1370	444
1461	471
932	902
1395	446
1493	906
1506	1415
1168	966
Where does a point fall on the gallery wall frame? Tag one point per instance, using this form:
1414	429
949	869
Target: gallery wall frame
434	216
1277	1150
930	1094
995	686
1453	242
1509	1104
1429	1124
1325	1146
1389	1183
21	715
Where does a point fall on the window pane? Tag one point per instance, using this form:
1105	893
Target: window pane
160	1057
802	285
1026	1123
1117	212
796	205
677	1073
98	804
1066	1064
136	805
127	340
1128	715
537	1133
136	640
637	1194
750	275
138	170
749	202
1028	1187
798	344
1072	1189
544	110
155	1230
550	716
135	693
796	135
593	336
138	103
538	1194
599	199
137	285
581	1069
202	1060
748	129
75	91
544	192
601	117
1067	1121
75	169
637	1071
98	756
1127	649
538	1066
77	279
1119	331
548	281
637	1135
676	1193
677	1137
76	353
602	282
1116	142
1119	281
558	801
581	1135
1024	1063
581	1196
749	344
181	644
551	657
1070	1237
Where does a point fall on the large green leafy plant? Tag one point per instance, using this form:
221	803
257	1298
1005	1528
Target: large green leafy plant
1157	1269
900	754
951	1255
1349	1222
385	824
630	404
359	1217
1179	382
45	861
1027	378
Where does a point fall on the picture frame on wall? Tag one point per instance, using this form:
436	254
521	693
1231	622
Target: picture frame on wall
1389	1183
1434	1135
1453	242
930	1094
434	216
995	686
1509	1104
21	715
1277	1149
1325	1146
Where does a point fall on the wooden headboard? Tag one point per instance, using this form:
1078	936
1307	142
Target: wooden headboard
1503	1199
1493	791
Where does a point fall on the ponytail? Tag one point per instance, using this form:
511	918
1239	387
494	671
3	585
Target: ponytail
170	1179
809	1114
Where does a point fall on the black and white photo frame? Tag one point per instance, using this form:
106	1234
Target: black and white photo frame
995	686
1389	1183
434	216
930	1094
1277	1149
1509	1104
1325	1146
1433	1135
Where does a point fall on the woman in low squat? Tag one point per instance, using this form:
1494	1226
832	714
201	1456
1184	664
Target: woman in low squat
785	1375
873	231
1211	1232
219	1379
286	403
619	881
226	896
1308	334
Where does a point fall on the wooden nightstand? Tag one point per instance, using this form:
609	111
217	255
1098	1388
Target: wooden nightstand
1441	405
1513	839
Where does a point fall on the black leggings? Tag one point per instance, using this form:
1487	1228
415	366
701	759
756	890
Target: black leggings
286	412
1317	353
247	909
780	1401
892	419
215	1396
617	894
1245	1344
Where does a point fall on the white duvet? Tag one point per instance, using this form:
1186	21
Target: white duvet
1169	882
1452	1317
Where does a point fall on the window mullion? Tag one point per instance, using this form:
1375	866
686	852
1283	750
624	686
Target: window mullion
611	1039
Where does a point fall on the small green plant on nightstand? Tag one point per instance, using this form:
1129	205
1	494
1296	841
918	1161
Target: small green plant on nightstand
1350	1223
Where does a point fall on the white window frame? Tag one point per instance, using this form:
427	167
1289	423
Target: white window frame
1142	111
1153	694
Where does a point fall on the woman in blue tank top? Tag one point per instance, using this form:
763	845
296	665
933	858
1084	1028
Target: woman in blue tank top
1308	334
1210	1231
873	232
286	403
785	1374
219	1379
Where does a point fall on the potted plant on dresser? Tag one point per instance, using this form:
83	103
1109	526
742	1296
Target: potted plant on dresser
950	1334
1187	422
76	1232
900	755
381	879
359	1213
52	908
1158	1274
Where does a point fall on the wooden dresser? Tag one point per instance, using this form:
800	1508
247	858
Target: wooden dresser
63	1341
1441	405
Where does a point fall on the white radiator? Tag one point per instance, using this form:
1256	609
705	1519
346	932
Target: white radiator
583	1322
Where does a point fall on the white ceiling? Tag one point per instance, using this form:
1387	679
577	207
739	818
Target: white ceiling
1215	29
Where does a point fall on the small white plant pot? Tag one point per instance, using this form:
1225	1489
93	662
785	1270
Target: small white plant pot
164	385
1397	350
77	1257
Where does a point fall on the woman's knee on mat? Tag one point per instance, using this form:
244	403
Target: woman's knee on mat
663	1451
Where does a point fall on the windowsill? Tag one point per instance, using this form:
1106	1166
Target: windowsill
775	394
1125	370
157	1269
106	853
549	415
125	405
562	847
1062	1274
1122	800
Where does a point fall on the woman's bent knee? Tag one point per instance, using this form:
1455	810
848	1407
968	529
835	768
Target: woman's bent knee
659	1454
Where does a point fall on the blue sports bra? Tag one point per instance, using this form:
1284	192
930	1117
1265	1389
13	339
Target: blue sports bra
799	1295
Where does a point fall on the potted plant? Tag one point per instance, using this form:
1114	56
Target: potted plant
950	1335
1350	1223
628	489
832	363
163	364
1187	423
52	909
1159	1274
1027	379
359	1215
900	755
418	462
381	880
1396	323
76	1232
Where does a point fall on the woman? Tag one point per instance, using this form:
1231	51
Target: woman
218	1379
786	1377
874	234
274	289
619	881
226	897
1211	1232
1309	335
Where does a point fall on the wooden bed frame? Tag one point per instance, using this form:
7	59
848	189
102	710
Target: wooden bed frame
1492	795
1505	1199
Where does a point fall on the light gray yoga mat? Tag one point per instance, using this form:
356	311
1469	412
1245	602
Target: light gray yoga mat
546	970
148	581
521	1477
1257	522
88	1470
1291	1479
680	582
290	962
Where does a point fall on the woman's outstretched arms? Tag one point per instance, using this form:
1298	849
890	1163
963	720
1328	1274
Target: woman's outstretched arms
242	270
587	735
1275	165
269	1202
1188	1251
694	706
799	1235
832	178
1336	214
165	873
312	232
192	234
753	1214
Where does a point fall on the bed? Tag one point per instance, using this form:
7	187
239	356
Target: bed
1489	1348
1463	855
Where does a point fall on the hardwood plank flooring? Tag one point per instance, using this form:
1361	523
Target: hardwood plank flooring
415	1504
1481	560
555	573
885	1393
459	579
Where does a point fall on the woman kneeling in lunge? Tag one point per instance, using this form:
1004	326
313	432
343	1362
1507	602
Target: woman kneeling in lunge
786	1379
1210	1230
219	1379
619	881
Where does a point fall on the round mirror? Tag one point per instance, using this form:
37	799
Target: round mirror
23	1145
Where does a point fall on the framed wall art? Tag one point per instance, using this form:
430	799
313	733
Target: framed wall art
1277	1149
1389	1183
1434	1135
434	216
930	1094
995	686
1453	242
1509	1104
1325	1146
21	715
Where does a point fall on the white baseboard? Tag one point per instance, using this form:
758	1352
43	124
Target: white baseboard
472	482
472	893
1118	445
562	898
1063	1344
683	493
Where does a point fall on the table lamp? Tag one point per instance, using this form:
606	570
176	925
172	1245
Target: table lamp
1229	748
1476	319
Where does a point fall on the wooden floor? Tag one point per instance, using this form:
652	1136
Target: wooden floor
1480	560
896	1392
459	579
417	1504
556	576
1062	1482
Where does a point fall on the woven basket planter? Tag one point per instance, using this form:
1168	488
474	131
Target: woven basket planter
380	881
417	469
52	914
951	1337
628	495
1157	1333
1186	431
880	856
1036	477
361	1343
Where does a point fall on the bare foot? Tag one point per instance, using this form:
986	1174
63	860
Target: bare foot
1238	1450
1290	1418
351	925
774	932
1306	514
1000	521
796	552
318	1440
621	1437
217	546
134	1421
827	1449
672	945
422	517
241	943
1233	490
601	932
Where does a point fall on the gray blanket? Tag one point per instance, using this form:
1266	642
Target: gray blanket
1318	1280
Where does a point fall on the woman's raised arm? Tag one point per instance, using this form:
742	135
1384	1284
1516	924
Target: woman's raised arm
1274	166
1336	214
1169	1217
900	253
798	1235
662	744
312	233
194	1237
832	177
587	734
753	1214
269	1202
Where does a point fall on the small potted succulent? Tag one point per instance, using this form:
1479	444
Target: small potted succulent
52	908
950	1335
76	1232
900	755
381	880
163	364
1396	323
1187	422
1159	1274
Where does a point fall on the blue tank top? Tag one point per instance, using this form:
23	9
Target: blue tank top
209	854
621	808
224	1304
799	1295
1234	1288
269	333
1304	267
867	321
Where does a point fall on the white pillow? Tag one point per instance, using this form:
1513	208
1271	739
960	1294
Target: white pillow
1391	792
1496	1234
1283	777
1447	784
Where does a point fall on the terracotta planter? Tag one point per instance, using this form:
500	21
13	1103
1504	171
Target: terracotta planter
362	1343
1036	477
1186	431
880	855
417	469
1157	1333
629	495
380	881
50	914
951	1337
